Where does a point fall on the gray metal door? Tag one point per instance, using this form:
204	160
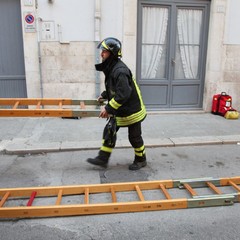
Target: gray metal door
12	71
172	44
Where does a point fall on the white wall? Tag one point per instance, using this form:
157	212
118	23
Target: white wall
232	32
74	19
223	67
68	66
30	45
66	48
112	19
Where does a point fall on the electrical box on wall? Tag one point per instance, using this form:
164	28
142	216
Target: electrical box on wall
28	2
47	30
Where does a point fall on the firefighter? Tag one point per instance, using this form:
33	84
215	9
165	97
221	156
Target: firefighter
125	107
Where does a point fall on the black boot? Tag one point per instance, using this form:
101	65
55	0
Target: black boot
138	163
101	160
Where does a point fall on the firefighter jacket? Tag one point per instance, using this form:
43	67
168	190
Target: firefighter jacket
122	92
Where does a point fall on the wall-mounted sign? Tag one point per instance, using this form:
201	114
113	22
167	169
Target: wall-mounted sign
29	22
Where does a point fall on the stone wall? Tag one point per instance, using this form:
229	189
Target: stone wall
68	70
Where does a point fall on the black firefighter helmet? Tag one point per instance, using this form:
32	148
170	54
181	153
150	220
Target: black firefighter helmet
113	45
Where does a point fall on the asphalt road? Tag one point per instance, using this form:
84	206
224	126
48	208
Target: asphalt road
70	168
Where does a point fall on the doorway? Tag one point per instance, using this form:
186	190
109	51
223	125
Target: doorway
171	53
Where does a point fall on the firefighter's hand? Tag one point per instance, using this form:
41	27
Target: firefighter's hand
103	113
100	99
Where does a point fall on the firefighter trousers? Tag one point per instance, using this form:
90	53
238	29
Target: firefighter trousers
134	137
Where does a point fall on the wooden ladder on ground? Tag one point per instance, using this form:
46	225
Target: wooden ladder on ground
117	197
40	107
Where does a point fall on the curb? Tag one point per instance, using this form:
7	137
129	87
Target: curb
21	147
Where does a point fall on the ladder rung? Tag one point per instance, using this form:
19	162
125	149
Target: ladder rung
86	197
165	192
4	199
234	185
16	105
139	192
114	197
59	198
214	188
82	105
190	189
60	104
38	105
33	195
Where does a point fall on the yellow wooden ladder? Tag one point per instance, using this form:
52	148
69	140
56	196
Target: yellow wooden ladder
40	107
116	197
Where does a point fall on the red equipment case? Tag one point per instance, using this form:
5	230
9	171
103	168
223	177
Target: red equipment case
221	103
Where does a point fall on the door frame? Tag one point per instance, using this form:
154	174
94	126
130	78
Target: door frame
12	76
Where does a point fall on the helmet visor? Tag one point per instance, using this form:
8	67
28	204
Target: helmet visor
103	46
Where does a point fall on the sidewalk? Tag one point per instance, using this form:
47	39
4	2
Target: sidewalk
36	135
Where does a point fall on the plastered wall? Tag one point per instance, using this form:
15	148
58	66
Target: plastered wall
64	66
222	67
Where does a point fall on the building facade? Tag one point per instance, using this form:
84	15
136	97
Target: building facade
181	52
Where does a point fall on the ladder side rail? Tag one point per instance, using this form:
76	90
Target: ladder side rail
38	113
80	189
34	101
197	182
48	113
210	201
90	209
49	101
89	102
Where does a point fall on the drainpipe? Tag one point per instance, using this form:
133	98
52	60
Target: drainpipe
97	37
40	68
39	51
